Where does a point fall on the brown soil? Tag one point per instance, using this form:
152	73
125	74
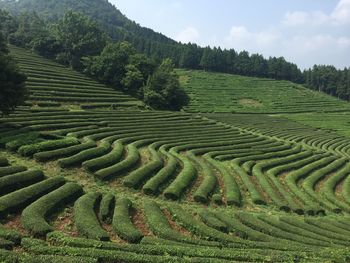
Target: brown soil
138	219
112	235
175	226
15	223
65	223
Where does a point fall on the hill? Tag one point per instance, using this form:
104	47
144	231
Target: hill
107	15
217	92
131	185
51	84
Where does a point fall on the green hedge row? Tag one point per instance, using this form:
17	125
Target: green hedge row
30	150
106	160
101	255
310	182
107	207
135	178
132	158
326	234
293	177
276	227
160	226
122	223
254	194
209	180
231	189
16	200
34	216
62	152
19	180
198	228
209	219
25	139
86	219
151	187
182	180
330	185
11	170
85	155
183	252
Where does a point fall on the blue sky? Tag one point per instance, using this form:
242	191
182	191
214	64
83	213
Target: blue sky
305	32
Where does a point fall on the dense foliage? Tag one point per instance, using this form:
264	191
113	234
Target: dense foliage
59	41
12	87
163	88
119	66
330	80
158	46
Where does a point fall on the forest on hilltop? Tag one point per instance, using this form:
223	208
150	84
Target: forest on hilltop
118	27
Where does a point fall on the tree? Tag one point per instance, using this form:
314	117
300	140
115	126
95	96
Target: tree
30	27
163	89
12	87
110	66
8	24
133	80
80	37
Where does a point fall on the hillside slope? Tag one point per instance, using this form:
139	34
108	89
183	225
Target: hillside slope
82	185
117	25
50	82
217	92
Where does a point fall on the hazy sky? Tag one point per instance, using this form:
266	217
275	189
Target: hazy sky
305	32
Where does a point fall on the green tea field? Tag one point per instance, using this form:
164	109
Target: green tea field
89	174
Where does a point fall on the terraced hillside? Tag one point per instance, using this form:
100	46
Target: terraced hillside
217	92
149	186
51	85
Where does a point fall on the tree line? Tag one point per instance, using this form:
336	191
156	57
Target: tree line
27	29
79	42
328	79
12	81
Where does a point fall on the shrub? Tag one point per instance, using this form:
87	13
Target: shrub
106	207
118	168
11	170
85	218
14	201
16	181
29	150
63	152
182	181
122	223
106	160
34	216
84	155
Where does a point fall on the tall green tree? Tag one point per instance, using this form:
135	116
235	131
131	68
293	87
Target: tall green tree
110	66
163	89
12	81
80	36
30	28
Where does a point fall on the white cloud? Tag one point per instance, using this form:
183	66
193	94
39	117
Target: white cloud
305	38
341	13
189	34
339	16
242	39
300	18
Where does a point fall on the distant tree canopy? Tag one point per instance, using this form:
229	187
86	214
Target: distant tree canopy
79	36
330	80
163	89
110	66
68	37
12	87
120	66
